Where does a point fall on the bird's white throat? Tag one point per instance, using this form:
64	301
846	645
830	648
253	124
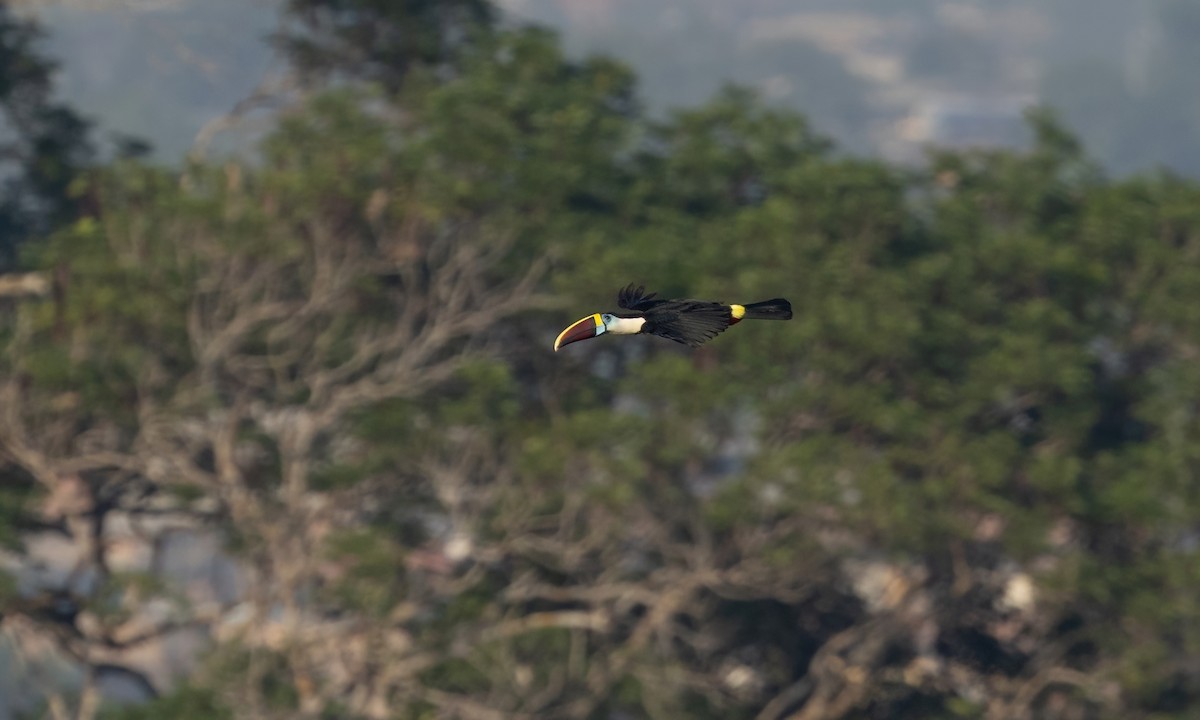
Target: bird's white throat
625	326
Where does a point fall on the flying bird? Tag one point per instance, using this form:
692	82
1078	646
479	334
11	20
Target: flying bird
691	322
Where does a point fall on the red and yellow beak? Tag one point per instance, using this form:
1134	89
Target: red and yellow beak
589	327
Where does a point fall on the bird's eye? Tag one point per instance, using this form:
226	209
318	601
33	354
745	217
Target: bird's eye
607	318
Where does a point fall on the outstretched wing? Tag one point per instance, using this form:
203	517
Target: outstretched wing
691	322
636	299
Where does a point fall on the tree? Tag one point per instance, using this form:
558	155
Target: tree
284	314
45	143
381	42
251	362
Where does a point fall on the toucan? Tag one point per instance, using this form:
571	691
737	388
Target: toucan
691	322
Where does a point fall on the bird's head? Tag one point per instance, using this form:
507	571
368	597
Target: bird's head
593	325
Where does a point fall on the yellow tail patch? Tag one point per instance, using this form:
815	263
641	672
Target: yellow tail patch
737	311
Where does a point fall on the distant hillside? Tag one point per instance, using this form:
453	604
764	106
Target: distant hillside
159	70
875	76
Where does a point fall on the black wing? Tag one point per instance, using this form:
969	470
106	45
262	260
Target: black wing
636	299
691	322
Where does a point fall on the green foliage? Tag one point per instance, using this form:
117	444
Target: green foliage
256	673
371	571
116	600
456	675
8	589
185	703
16	490
45	143
381	42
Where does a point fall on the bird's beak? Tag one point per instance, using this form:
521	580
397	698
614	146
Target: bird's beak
589	327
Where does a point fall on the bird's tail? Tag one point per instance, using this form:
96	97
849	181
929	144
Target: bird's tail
776	309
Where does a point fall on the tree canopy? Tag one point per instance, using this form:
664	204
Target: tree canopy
380	41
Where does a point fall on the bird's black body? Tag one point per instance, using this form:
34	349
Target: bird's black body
691	322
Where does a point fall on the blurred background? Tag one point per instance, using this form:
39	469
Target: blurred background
282	434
